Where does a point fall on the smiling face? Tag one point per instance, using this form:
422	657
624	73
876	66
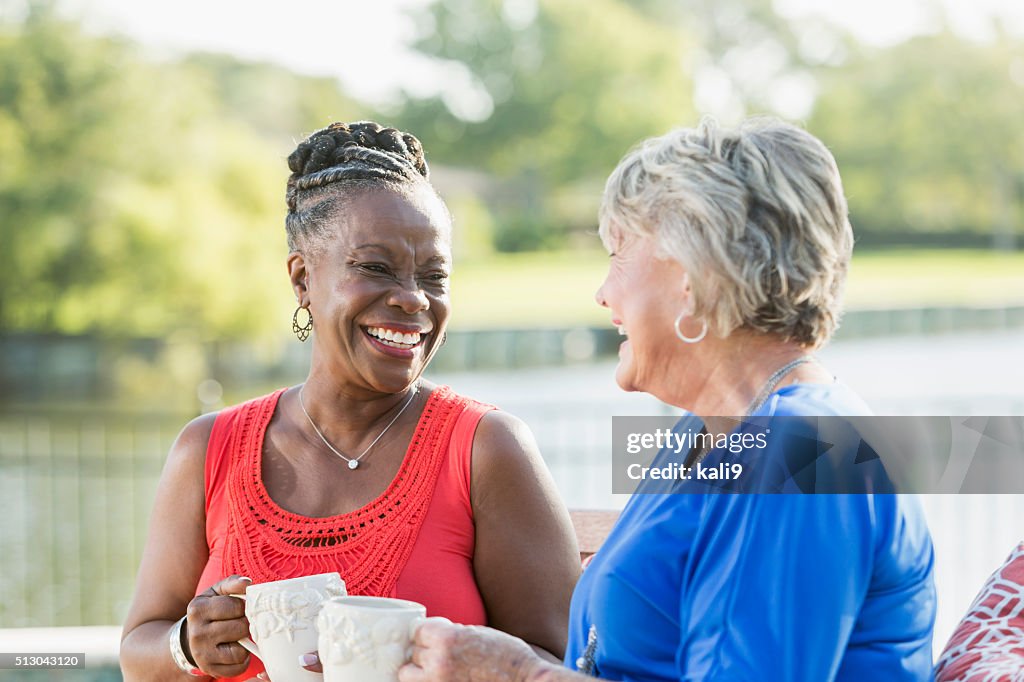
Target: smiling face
378	288
644	294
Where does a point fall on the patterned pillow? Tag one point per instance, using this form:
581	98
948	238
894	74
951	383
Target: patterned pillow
988	645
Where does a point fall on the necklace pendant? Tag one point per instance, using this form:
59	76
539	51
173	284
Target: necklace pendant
353	464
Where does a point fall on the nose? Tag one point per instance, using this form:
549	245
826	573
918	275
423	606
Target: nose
599	296
410	299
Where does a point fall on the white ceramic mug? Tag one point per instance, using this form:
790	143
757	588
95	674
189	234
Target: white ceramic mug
366	639
282	622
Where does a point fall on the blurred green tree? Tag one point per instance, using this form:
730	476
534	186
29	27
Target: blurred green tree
279	104
547	96
143	199
749	58
929	136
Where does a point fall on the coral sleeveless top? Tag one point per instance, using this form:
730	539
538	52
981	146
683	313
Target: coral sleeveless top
415	541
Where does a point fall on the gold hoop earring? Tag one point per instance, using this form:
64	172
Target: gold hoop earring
689	339
303	331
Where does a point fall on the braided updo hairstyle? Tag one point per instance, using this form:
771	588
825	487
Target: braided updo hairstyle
337	162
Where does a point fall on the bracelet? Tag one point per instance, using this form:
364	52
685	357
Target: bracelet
178	653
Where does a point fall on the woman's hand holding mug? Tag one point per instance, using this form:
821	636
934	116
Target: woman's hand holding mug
215	624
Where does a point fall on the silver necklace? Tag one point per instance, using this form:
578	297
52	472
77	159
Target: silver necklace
353	462
762	395
772	382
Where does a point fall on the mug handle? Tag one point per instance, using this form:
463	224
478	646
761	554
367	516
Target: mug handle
247	642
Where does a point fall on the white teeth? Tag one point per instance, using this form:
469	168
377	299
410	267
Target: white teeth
393	338
622	330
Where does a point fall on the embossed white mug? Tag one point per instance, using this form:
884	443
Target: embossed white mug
282	622
366	639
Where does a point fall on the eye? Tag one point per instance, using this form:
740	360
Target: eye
434	279
377	268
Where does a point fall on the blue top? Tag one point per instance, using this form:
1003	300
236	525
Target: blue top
796	588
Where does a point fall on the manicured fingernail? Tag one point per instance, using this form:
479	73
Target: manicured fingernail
244	577
308	659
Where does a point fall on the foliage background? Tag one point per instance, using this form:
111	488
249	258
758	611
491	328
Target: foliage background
141	194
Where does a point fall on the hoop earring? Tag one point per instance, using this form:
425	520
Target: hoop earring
689	339
303	331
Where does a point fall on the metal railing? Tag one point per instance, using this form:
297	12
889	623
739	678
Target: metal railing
75	495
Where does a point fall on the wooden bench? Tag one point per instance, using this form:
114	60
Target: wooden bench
592	527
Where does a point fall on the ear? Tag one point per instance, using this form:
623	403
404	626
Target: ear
687	291
298	273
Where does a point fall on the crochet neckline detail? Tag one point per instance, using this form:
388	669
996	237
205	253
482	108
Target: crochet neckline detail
400	478
369	546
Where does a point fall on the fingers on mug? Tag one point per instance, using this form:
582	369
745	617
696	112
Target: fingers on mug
247	642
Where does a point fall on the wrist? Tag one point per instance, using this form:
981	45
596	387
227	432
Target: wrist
536	669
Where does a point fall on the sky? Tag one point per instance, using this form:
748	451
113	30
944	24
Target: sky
339	37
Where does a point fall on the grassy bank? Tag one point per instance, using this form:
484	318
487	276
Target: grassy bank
557	289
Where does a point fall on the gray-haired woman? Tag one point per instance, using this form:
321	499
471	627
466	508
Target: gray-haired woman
729	250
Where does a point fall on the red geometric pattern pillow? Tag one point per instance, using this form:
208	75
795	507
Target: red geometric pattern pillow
988	645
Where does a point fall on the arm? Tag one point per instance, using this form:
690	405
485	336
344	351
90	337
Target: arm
526	560
172	562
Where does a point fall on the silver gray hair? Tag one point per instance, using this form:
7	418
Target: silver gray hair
756	215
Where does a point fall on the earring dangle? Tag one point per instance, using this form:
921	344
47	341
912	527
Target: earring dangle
689	339
302	331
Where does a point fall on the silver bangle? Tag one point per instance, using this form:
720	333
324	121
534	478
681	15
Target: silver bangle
178	654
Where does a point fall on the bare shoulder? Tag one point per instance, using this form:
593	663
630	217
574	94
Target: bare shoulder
197	432
507	461
189	448
503	435
504	448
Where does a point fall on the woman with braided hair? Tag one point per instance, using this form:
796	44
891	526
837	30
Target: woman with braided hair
403	487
